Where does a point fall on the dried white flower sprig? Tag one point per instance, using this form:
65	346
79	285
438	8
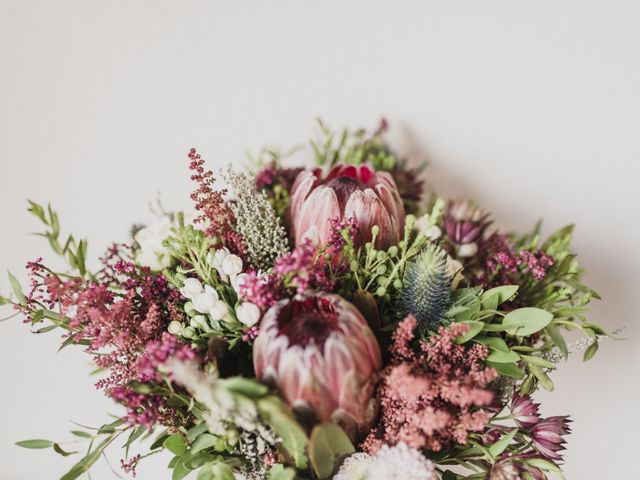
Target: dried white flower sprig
256	220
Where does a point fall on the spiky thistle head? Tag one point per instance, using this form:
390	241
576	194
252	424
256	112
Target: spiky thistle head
426	287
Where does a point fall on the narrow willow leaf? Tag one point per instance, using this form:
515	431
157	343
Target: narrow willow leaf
17	289
80	433
542	377
540	362
245	386
36	443
58	449
501	445
590	351
87	462
557	339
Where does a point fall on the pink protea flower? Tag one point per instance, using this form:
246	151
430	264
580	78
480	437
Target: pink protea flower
547	436
321	354
348	191
524	411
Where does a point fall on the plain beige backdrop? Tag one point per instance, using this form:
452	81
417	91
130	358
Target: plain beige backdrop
532	107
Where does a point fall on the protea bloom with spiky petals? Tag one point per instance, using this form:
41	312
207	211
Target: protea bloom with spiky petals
318	350
524	411
465	222
348	191
547	436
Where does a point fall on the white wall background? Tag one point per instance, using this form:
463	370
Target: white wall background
532	107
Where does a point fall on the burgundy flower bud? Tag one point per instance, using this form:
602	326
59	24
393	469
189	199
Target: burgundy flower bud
348	191
322	356
465	222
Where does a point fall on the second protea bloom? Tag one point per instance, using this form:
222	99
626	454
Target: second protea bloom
320	353
348	191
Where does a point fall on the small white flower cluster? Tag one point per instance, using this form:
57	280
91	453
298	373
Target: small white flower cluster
256	221
397	462
205	301
152	253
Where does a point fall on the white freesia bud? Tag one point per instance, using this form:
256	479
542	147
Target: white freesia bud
467	250
248	313
175	327
204	302
216	259
232	265
191	288
219	310
152	253
200	321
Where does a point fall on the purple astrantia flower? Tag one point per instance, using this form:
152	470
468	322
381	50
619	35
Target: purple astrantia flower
547	436
465	222
524	411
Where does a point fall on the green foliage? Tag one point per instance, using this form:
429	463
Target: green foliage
327	446
74	252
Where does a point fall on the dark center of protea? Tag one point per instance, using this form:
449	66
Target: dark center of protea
308	321
344	187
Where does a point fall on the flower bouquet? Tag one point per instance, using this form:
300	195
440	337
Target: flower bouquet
316	323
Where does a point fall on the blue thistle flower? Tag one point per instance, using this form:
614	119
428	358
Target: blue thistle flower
426	287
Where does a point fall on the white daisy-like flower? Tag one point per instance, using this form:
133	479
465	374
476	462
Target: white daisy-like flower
400	462
354	467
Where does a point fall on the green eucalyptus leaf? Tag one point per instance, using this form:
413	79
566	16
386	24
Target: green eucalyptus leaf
497	356
496	343
294	439
279	472
176	444
245	386
204	441
498	295
474	329
328	444
526	321
507	369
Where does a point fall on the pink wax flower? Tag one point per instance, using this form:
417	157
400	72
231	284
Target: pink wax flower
321	354
348	191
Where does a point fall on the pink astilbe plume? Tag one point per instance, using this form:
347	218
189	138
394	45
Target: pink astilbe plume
215	213
433	396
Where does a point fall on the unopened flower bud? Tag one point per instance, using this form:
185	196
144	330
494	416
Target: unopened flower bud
175	327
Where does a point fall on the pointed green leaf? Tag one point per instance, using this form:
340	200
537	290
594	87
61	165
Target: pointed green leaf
36	443
17	289
500	446
474	329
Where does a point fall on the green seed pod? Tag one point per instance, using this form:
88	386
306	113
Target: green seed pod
426	287
393	251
